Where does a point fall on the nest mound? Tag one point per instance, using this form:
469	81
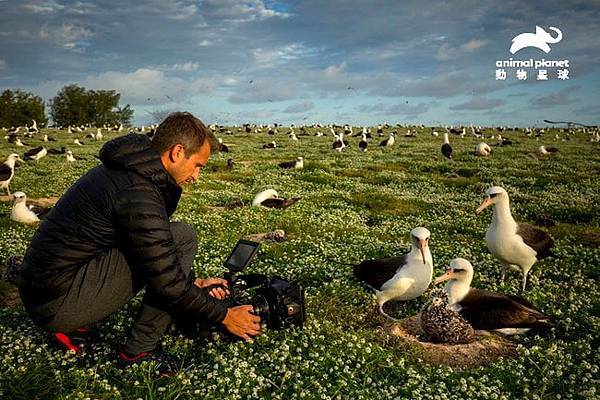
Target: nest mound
483	350
42	201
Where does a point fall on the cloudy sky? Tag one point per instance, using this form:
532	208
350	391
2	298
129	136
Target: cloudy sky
360	62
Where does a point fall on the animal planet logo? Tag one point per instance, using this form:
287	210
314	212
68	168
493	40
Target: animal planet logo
540	40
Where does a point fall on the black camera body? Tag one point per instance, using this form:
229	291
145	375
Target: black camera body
278	302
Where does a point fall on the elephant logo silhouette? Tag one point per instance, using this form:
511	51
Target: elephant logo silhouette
539	39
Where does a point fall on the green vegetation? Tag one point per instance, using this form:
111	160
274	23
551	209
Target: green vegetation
354	206
19	108
75	105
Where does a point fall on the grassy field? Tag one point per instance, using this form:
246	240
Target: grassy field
354	206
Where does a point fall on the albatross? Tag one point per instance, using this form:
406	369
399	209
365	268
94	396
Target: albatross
489	310
482	150
442	324
339	143
389	142
26	214
298	163
516	245
400	278
446	148
36	153
546	150
363	144
270	199
7	171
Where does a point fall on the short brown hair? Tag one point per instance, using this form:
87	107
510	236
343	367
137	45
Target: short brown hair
185	129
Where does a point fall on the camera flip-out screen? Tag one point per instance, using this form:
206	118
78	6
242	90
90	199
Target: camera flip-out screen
241	255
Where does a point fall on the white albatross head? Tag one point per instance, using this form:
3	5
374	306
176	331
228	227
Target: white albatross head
493	195
419	238
19	197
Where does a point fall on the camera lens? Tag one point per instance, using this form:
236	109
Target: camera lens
261	308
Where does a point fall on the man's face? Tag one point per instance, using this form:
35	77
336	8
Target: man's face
186	170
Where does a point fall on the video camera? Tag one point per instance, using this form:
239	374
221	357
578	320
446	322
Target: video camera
278	302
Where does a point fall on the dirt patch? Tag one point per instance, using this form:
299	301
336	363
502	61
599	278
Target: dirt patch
277	235
42	201
485	349
246	162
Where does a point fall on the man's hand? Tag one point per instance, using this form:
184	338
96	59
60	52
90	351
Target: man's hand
242	323
218	292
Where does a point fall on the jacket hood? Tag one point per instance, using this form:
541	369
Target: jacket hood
134	152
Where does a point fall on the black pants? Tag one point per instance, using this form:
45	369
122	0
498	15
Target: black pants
107	283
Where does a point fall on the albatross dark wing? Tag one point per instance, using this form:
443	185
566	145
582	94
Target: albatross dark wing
537	239
32	152
447	150
40	211
287	164
5	172
377	272
488	310
279	203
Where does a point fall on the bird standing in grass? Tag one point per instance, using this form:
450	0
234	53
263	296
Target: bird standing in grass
446	148
400	278
7	171
389	142
363	144
516	245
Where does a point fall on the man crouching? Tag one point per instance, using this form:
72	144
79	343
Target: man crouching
109	236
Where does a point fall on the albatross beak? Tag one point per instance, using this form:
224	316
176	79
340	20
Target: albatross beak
422	245
448	275
484	204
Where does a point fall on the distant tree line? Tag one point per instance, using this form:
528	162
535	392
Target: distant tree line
20	108
72	105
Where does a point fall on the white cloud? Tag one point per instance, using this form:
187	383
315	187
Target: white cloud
265	58
299	108
2	64
144	86
334	70
238	10
473	45
447	52
44	7
184	11
82	8
479	103
188	66
68	35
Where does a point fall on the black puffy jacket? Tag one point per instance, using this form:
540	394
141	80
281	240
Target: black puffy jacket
126	203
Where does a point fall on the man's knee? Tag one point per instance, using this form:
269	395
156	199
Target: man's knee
184	236
182	232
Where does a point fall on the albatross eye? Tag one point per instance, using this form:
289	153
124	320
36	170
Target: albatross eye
493	195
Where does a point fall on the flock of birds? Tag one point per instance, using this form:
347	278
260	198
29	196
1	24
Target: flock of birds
451	315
